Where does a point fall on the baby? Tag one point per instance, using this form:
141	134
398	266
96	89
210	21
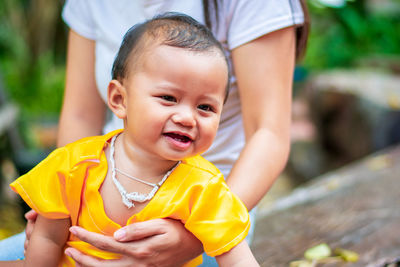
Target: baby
170	81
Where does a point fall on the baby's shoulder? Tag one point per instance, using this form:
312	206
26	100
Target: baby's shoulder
202	166
89	148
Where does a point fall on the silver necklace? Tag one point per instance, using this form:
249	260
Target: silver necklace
129	198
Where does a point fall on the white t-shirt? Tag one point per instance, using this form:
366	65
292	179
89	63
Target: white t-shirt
240	21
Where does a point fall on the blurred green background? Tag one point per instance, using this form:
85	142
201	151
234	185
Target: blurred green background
345	35
33	42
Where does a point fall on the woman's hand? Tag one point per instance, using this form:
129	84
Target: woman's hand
151	243
31	217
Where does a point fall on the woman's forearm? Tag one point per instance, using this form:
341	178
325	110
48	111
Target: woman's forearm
260	163
264	71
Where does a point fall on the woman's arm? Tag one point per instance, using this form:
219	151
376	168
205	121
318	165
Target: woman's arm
264	71
83	110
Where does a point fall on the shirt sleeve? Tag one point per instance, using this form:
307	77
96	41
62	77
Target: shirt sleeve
218	218
43	188
78	16
250	19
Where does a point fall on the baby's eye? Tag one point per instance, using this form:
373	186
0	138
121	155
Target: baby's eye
168	98
205	107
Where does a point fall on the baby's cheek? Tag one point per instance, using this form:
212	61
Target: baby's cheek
210	135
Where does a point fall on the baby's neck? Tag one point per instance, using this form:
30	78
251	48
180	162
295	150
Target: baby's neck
138	163
129	184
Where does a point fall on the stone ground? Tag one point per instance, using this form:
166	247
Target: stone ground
355	208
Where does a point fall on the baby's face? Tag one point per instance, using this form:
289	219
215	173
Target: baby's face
174	101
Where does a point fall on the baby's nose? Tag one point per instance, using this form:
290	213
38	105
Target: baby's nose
184	117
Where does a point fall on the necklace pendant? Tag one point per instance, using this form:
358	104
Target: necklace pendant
128	203
129	198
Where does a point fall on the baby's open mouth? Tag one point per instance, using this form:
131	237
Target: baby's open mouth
179	137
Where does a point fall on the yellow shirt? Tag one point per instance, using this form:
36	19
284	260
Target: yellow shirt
66	185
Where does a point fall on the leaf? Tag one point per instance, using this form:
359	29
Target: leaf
378	163
302	263
318	252
347	255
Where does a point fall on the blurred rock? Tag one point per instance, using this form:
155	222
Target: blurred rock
353	208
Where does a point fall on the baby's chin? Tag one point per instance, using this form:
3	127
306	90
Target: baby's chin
181	156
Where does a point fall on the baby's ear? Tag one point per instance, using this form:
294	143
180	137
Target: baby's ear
116	98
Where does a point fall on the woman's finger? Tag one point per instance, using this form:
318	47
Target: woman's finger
100	241
141	230
161	242
136	249
83	260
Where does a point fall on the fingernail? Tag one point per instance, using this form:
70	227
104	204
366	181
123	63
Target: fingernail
120	234
72	229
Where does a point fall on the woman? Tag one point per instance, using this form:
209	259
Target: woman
261	40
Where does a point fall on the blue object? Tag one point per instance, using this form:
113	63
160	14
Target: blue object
12	248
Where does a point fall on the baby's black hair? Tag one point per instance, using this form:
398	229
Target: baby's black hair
172	29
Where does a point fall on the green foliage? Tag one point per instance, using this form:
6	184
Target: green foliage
341	36
35	81
36	88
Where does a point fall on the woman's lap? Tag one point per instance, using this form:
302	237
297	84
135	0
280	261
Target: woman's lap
12	248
